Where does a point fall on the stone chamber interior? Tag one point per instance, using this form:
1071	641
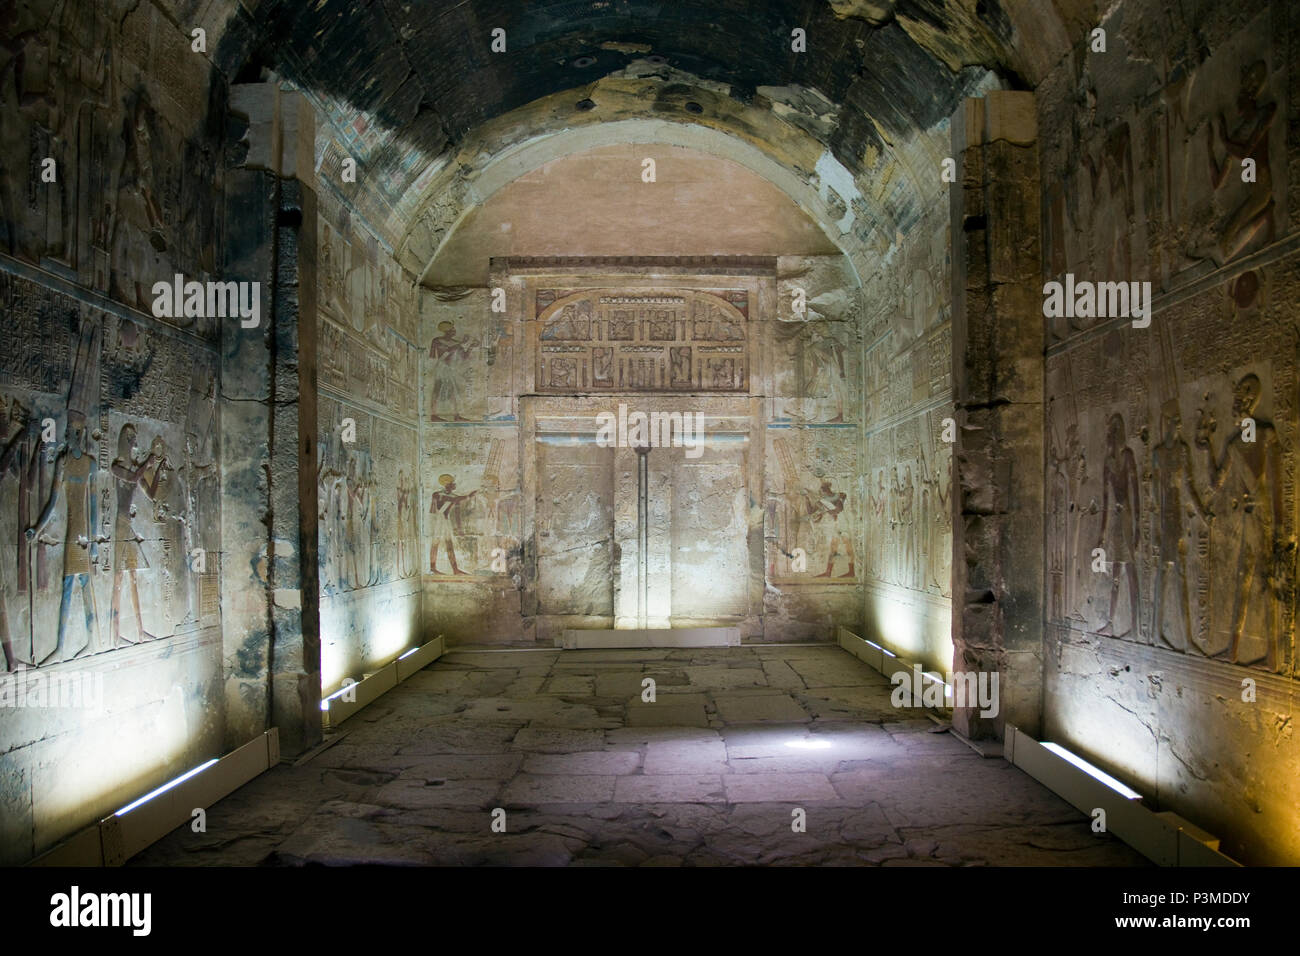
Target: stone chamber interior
967	329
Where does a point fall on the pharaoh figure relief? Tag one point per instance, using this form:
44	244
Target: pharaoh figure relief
473	528
99	543
908	505
361	542
819	353
449	360
442	530
811	522
1246	491
1241	140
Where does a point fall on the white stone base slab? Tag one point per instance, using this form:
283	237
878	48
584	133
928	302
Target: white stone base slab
653	637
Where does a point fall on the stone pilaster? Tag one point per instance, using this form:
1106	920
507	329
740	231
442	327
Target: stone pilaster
270	608
997	355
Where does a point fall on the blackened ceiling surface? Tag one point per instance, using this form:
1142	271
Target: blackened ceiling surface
424	70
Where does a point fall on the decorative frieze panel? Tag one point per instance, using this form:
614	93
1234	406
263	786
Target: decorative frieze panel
644	340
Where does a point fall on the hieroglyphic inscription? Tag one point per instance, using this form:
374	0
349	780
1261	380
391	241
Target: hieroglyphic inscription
675	340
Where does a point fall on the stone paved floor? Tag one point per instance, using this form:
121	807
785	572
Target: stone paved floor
709	774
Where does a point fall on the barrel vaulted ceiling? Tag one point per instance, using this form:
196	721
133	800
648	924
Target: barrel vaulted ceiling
412	90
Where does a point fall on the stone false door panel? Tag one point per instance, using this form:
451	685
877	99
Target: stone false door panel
626	539
668	537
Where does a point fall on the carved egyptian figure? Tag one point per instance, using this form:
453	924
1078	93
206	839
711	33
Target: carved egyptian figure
441	506
74	483
448	354
1249	140
133	474
907	532
1176	502
1247	492
825	354
13	427
829	504
1120	515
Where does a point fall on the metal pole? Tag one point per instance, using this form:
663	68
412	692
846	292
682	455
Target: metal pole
643	533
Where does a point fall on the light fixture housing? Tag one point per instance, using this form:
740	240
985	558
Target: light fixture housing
165	787
1094	772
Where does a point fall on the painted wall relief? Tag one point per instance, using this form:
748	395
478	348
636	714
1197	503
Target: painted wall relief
813	513
367	322
367	496
1158	187
907	372
468	361
117	100
819	360
816	352
111	503
472	505
909	506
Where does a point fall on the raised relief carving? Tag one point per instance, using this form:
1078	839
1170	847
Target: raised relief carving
1069	475
812	518
1178	502
1208	566
74	491
448	357
366	500
1246	495
135	474
471	532
908	523
652	341
443	506
1247	138
1118	540
821	358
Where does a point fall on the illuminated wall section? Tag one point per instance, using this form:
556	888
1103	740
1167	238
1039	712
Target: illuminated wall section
367	485
531	526
907	463
110	500
1171	663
